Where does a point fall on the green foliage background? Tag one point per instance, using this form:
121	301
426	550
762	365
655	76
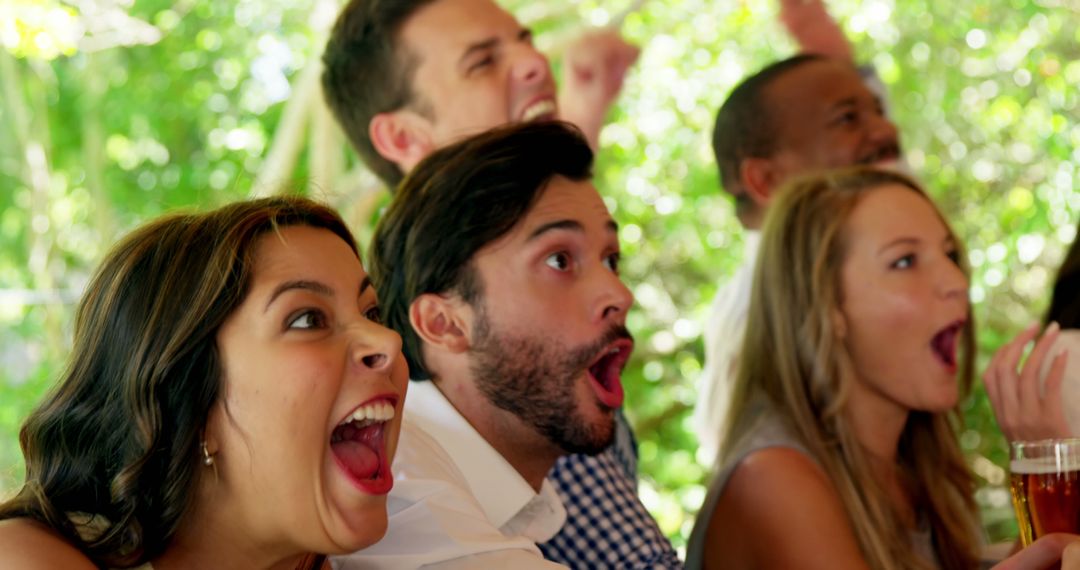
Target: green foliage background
113	116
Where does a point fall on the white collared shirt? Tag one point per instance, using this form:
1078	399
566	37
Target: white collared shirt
456	502
723	332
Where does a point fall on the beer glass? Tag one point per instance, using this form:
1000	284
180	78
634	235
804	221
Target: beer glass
1044	477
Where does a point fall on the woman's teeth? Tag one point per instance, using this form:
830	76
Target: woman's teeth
371	413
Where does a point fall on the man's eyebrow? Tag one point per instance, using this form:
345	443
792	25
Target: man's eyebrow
313	286
572	225
364	285
845	102
569	225
482	45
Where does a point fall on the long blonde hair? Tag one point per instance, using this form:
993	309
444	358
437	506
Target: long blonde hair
793	358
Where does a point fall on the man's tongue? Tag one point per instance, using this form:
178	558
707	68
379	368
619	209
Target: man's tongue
606	384
355	449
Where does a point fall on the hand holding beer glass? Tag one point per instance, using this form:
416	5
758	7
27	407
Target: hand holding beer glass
1044	477
1034	406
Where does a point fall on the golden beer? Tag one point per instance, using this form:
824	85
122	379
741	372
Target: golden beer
1044	478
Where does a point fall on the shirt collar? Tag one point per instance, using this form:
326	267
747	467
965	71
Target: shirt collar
751	242
501	491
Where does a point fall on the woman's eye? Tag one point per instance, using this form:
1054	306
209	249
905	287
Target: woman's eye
308	319
374	314
954	256
612	262
904	262
558	261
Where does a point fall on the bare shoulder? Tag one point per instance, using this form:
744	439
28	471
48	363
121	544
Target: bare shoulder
28	544
784	512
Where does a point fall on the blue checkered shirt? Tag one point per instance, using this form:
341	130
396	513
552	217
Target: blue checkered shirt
606	524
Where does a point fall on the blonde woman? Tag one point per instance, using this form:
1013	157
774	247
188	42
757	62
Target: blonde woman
842	450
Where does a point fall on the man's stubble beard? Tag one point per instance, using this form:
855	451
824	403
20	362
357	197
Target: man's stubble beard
535	379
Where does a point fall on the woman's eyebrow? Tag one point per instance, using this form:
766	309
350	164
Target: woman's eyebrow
307	285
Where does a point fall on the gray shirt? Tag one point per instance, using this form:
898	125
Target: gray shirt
767	430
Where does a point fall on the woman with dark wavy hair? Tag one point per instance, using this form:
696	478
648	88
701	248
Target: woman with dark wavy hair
231	401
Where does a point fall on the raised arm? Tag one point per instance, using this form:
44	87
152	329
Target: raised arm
594	68
811	26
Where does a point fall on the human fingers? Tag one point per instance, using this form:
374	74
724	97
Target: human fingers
1052	410
1070	557
1031	401
1001	382
1043	553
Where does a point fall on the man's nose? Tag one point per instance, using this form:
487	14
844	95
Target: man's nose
615	298
530	66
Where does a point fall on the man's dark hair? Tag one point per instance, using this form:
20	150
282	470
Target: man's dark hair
745	125
456	201
365	72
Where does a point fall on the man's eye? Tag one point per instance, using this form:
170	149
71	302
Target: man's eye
481	64
612	262
559	261
307	319
904	262
374	314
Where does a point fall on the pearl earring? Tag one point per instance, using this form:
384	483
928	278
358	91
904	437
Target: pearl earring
208	458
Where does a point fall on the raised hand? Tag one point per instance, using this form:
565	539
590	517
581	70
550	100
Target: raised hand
1023	411
594	68
810	24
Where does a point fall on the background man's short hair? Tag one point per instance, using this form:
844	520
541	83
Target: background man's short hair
455	202
366	72
745	125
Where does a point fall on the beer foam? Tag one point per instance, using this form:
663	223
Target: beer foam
1044	466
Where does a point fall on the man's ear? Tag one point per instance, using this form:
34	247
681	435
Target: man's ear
442	321
759	177
402	137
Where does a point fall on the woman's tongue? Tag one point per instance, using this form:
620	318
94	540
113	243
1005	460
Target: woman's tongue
944	345
356	450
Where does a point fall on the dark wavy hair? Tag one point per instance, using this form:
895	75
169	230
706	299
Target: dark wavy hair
457	200
119	437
